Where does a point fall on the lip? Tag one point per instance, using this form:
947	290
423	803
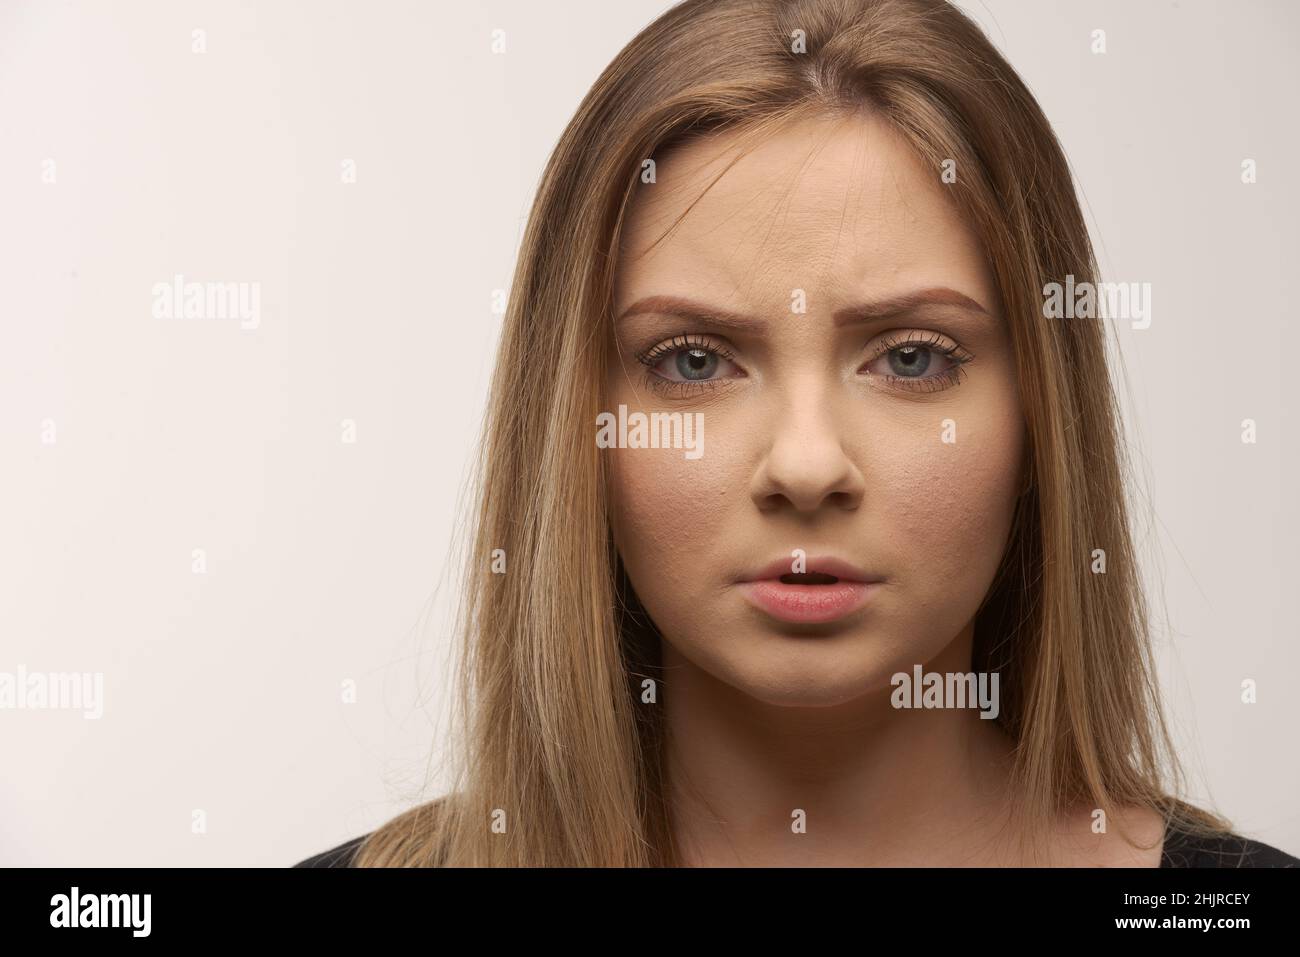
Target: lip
810	604
825	564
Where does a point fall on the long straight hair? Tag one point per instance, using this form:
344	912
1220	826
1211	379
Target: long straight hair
559	761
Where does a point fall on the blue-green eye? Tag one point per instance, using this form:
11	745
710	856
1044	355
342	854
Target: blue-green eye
689	358
909	360
696	363
924	362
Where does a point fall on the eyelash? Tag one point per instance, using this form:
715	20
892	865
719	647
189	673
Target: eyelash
945	379
677	343
935	343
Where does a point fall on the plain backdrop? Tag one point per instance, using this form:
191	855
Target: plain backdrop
126	158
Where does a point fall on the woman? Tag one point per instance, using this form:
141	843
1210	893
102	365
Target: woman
815	238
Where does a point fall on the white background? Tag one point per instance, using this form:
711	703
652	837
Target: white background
329	561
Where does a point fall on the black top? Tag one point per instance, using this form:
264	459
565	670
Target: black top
340	856
1180	850
1232	850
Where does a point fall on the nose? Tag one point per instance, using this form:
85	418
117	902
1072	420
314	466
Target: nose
806	466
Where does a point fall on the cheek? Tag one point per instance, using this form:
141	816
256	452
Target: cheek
668	515
934	517
946	507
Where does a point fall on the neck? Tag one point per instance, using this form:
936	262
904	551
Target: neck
878	786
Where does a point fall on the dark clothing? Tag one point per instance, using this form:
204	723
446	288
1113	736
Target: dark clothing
340	856
1180	850
1184	850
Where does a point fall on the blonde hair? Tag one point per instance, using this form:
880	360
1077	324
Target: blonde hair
552	653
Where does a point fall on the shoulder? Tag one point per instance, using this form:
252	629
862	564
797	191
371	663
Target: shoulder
410	839
1183	849
1131	837
341	856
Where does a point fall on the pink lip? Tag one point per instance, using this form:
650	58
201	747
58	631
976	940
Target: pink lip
810	604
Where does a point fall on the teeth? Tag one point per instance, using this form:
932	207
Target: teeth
808	578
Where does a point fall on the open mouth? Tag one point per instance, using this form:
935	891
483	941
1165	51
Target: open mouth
808	578
809	597
829	589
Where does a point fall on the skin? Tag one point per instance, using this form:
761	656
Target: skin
809	446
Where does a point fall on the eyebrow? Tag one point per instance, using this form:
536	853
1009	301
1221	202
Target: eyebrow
858	313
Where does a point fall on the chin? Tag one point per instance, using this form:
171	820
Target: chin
810	675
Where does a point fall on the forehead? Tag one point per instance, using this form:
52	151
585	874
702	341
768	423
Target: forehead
838	207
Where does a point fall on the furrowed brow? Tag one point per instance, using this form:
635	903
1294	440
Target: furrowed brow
705	316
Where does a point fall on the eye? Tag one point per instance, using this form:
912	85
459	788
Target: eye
689	358
925	362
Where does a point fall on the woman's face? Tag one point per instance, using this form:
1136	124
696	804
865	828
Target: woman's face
830	318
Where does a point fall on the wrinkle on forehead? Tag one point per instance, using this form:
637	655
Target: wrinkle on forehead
823	195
